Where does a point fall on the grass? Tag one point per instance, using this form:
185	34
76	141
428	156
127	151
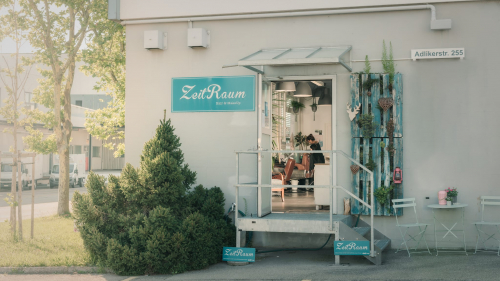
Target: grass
55	244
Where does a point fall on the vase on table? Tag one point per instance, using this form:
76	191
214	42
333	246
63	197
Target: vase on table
442	197
449	203
454	201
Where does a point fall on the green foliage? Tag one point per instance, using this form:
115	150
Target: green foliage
388	62
297	104
382	193
365	121
371	164
300	141
147	221
367	65
104	58
367	85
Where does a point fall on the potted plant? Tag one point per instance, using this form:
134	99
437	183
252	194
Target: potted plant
365	122
300	142
382	193
452	193
449	201
296	106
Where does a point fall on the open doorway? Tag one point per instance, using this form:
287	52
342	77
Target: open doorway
303	115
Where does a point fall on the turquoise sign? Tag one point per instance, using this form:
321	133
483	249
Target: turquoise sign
351	248
222	93
238	254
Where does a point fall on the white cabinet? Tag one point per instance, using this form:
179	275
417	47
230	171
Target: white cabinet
321	177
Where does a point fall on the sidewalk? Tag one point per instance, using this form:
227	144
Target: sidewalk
41	210
317	265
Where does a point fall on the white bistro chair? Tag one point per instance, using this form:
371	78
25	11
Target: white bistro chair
481	234
422	227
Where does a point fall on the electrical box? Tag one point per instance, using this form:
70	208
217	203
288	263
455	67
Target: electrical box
198	37
154	40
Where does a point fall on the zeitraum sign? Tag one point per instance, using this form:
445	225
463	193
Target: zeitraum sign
238	254
449	53
220	93
351	248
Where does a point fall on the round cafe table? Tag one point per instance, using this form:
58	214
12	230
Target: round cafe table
449	230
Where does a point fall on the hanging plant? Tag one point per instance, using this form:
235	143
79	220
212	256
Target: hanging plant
382	193
365	121
390	130
296	106
367	85
388	63
371	164
391	149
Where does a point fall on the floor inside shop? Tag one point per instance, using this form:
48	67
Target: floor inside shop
299	201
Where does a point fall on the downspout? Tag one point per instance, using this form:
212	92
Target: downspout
435	24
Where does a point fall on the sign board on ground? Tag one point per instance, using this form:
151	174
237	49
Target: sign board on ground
351	248
449	53
214	94
236	254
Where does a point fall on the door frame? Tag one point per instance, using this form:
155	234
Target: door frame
333	79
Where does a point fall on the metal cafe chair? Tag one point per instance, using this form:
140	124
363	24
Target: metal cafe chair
487	201
422	227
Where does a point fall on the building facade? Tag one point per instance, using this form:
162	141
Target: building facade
450	118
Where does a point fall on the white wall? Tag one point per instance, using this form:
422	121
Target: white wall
451	133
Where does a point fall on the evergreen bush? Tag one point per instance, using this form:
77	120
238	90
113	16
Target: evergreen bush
147	221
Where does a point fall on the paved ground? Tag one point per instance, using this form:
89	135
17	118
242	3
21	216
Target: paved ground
318	266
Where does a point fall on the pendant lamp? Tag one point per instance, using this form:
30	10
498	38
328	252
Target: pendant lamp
303	90
285	87
325	98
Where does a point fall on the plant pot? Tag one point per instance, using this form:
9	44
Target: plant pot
448	203
369	93
295	109
454	199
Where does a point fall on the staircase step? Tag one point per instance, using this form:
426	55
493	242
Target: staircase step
361	230
382	244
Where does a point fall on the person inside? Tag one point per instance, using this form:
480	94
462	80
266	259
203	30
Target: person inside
314	157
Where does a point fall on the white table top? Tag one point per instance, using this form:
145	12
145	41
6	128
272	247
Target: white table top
454	206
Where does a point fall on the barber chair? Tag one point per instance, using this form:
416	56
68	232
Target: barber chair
283	178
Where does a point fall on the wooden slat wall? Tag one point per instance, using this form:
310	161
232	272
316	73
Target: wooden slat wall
383	171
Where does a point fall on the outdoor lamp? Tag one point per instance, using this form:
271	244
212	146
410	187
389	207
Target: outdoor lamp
325	98
303	90
285	87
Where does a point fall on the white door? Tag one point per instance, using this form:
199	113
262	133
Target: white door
264	140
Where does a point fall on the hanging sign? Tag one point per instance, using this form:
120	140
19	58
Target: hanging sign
351	248
449	53
238	254
222	93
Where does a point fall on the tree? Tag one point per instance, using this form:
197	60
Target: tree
147	221
57	29
105	58
13	78
367	65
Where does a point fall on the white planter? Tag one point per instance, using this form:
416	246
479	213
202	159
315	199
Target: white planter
448	203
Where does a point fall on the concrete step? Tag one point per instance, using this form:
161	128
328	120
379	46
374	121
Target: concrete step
382	244
361	230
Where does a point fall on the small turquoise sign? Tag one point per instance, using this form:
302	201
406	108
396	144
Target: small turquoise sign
213	94
238	254
351	248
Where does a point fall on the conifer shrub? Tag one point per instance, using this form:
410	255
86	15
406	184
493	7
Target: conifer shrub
148	220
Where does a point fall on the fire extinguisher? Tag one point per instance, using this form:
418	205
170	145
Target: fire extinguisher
397	176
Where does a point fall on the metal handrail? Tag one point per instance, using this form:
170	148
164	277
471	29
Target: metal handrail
331	186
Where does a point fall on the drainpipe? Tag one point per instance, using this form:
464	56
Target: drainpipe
435	24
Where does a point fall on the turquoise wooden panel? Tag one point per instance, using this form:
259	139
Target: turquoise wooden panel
355	177
377	114
386	94
366	176
398	162
398	105
377	171
355	88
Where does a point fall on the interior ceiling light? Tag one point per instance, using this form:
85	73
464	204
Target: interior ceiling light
318	83
326	97
285	87
303	90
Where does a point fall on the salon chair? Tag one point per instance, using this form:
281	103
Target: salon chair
283	178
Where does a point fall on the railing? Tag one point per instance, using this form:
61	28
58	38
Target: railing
331	186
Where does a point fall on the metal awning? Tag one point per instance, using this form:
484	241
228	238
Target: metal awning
297	56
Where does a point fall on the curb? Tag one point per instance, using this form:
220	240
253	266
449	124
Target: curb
54	270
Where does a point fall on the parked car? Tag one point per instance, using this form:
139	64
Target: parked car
6	175
75	177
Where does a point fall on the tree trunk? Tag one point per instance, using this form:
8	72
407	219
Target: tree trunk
14	198
63	204
20	193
